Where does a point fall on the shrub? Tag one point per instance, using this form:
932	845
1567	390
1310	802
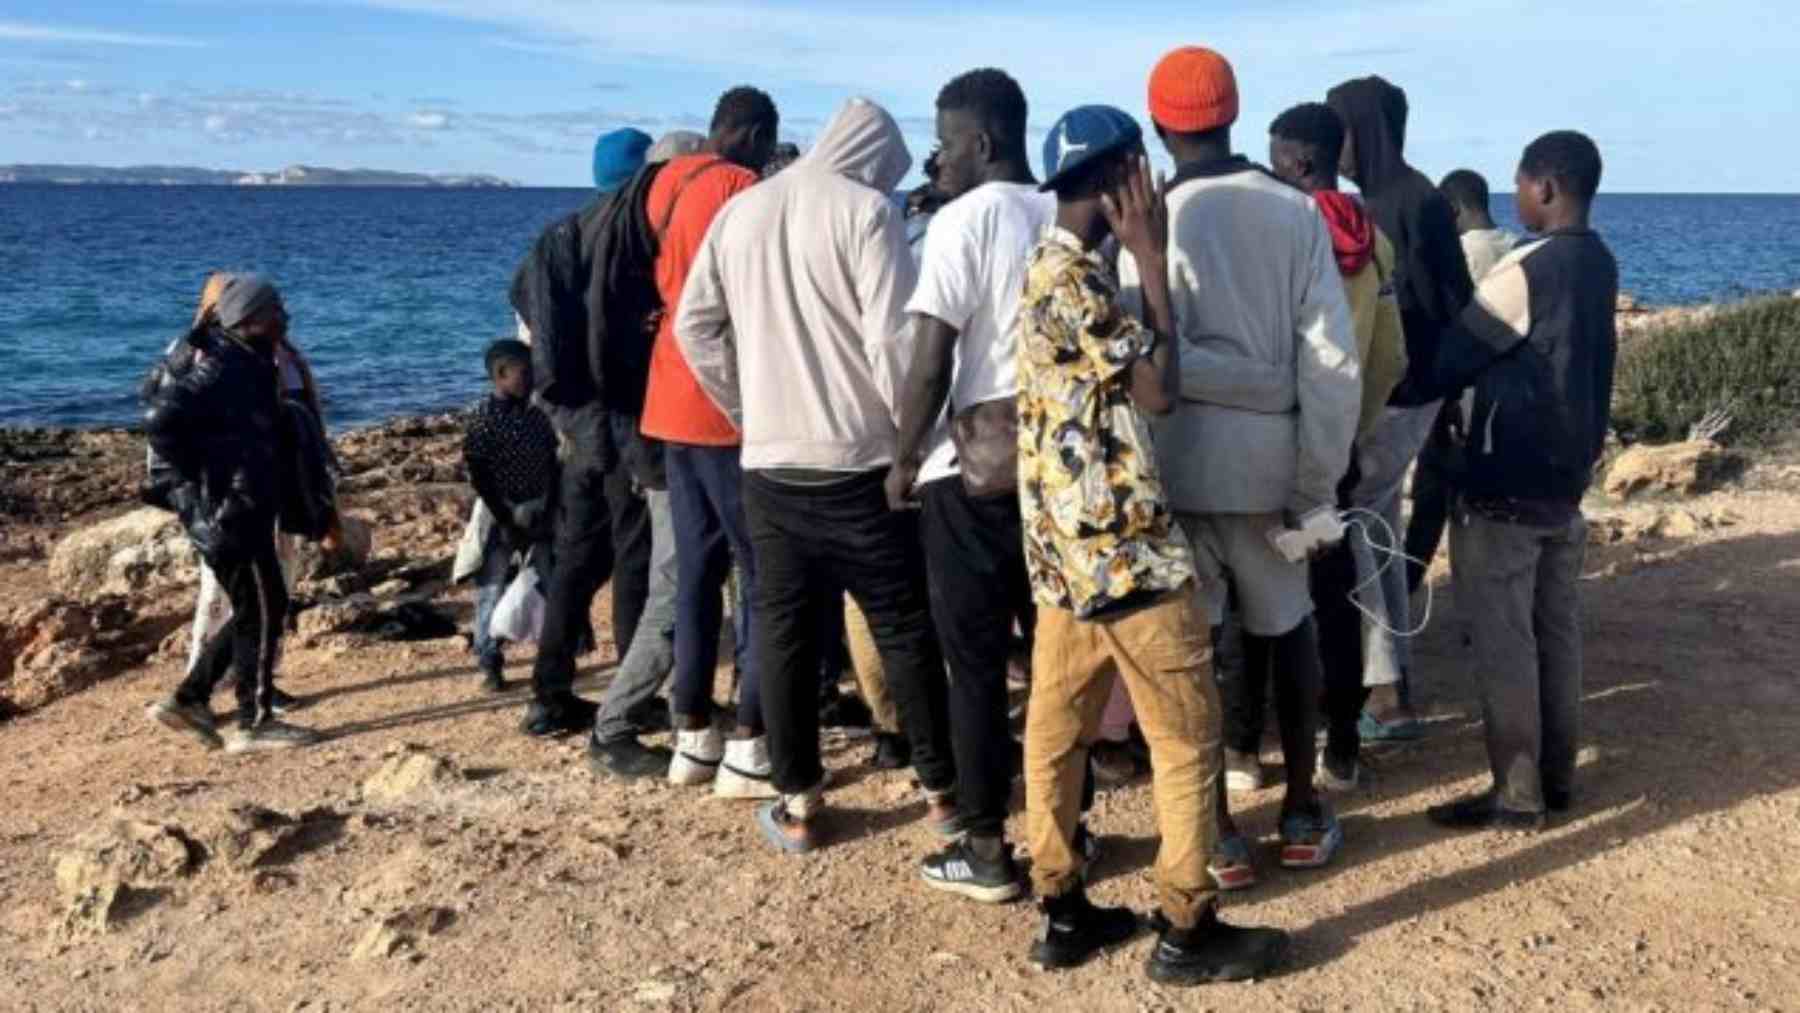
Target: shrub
1744	359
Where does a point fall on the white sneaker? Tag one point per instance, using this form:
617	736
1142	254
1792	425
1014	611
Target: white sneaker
1335	780
269	736
1243	771
697	756
745	772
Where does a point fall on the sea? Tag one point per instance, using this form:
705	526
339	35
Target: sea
395	292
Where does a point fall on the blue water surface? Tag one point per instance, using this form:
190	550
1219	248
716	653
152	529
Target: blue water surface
395	292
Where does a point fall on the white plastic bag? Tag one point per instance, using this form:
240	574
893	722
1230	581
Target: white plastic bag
519	617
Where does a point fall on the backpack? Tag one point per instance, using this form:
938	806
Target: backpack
308	504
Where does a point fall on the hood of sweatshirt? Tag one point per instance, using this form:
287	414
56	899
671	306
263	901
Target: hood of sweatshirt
1352	233
862	143
1374	112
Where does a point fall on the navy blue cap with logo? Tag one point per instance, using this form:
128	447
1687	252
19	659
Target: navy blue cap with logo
1082	135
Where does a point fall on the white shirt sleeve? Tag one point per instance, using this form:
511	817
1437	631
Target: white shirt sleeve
949	285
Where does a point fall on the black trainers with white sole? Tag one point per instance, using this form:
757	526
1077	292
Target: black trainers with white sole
195	719
961	869
1074	929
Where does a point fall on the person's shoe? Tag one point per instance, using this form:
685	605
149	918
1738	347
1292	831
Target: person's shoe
1114	764
961	869
268	737
942	815
1558	800
195	719
1212	951
651	718
1399	727
892	752
1074	929
493	675
1243	771
563	717
284	703
1310	840
1230	866
745	772
626	758
1333	774
789	835
697	756
1483	812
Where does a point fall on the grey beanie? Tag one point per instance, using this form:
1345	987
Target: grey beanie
244	296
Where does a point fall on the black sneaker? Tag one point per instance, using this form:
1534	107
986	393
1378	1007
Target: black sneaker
1483	812
1213	951
1074	930
960	868
892	752
493	675
567	716
650	718
195	719
284	703
626	758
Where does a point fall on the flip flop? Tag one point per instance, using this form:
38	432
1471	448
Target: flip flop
1310	840
1230	866
772	819
1373	729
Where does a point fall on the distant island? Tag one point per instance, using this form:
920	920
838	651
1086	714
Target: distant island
177	175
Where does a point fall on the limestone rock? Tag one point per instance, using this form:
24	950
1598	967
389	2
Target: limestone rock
99	872
314	563
402	930
410	771
144	549
1686	469
49	649
244	835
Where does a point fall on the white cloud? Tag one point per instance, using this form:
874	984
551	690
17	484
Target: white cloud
217	123
427	120
20	31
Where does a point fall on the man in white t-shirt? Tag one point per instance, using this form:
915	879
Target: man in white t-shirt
964	376
1483	242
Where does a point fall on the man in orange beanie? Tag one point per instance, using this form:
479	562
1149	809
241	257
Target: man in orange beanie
1270	395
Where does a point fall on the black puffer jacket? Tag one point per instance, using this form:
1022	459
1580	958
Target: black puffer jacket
212	415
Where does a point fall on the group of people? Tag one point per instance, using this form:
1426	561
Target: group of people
1122	420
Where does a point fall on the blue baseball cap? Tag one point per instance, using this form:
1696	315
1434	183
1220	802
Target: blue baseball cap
1083	135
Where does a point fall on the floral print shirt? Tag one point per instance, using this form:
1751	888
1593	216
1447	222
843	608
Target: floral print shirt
1098	531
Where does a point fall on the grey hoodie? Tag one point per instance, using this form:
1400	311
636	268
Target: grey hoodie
793	318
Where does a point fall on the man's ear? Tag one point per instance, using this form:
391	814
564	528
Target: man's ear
985	146
1547	190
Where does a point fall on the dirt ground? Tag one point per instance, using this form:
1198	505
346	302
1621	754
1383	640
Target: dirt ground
519	881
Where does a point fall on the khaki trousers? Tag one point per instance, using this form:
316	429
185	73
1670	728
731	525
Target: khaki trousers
1164	654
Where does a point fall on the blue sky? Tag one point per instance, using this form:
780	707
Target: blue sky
1681	95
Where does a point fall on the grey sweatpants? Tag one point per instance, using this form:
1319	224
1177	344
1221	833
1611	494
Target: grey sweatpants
1516	587
650	656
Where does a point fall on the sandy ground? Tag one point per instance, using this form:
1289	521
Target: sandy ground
1669	887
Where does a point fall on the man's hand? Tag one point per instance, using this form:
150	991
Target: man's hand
902	478
1138	214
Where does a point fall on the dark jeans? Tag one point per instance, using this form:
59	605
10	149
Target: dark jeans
975	560
250	641
1340	650
1431	496
595	506
814	543
706	506
1291	663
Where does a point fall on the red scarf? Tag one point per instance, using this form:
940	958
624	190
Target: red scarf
1352	234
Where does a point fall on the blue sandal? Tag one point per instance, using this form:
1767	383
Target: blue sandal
773	820
1373	729
1310	840
1230	866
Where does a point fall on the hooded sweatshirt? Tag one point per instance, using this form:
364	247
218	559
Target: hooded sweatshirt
1431	279
1365	259
1270	382
793	318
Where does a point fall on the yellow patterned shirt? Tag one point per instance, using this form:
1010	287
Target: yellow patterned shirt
1098	532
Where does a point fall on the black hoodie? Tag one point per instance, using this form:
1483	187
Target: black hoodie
1431	278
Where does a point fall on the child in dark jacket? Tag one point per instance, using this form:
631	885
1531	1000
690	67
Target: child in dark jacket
1534	357
213	418
510	449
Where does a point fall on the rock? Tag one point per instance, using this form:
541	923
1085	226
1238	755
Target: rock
411	617
48	649
99	872
402	930
314	563
142	550
339	615
244	835
1687	469
410	771
1628	303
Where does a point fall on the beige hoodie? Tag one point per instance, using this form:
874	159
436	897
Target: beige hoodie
793	317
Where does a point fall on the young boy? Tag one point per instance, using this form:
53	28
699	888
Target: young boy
510	449
1534	353
1483	242
1111	573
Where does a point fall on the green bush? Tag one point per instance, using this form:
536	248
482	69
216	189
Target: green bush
1744	359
